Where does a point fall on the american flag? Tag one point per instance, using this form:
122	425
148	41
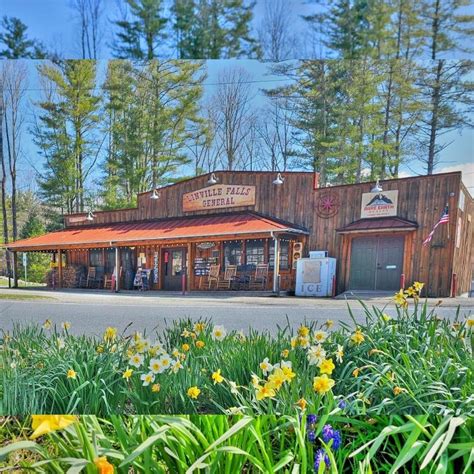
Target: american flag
444	220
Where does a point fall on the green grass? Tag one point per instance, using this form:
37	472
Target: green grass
21	297
416	364
21	283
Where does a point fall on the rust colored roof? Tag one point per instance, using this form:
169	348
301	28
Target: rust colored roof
378	224
159	230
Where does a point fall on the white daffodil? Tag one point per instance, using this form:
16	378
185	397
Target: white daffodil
316	354
148	378
219	333
136	360
266	366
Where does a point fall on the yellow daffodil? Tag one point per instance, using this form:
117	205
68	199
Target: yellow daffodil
329	323
322	384
43	424
193	392
358	337
302	404
217	377
288	373
127	374
66	325
470	322
71	374
276	379
303	331
199	327
255	381
110	334
386	317
265	391
418	286
156	387
398	390
401	299
355	372
200	344
103	466
99	349
326	366
185	347
47	324
285	353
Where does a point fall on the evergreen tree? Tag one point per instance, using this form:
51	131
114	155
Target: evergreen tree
16	43
140	37
213	29
65	132
152	113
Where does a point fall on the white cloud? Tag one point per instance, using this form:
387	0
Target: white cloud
467	173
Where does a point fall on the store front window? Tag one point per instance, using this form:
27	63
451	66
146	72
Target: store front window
95	258
255	252
284	254
232	253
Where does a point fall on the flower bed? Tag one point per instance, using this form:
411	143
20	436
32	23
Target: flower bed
412	364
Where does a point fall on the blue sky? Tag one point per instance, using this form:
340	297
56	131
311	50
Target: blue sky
52	21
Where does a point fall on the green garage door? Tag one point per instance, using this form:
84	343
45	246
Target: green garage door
376	263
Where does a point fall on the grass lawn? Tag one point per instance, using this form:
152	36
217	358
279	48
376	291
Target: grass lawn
4	296
21	283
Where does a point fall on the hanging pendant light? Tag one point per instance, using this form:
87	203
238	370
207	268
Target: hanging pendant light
279	179
90	216
155	194
377	188
213	179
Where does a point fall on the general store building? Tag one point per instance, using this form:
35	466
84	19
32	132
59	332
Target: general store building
259	225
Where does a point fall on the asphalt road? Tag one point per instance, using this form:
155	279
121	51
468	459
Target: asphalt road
92	313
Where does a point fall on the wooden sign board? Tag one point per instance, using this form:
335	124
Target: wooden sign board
219	196
76	219
380	204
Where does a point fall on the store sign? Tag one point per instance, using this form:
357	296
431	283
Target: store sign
219	196
76	219
205	245
380	204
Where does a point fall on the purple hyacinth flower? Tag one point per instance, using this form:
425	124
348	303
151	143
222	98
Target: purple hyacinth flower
320	457
342	404
311	436
336	440
311	419
329	433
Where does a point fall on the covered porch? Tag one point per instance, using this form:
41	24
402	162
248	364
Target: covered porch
234	251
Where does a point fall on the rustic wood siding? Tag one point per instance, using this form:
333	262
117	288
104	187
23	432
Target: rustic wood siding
420	199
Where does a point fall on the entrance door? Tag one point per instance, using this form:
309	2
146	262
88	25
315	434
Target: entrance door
174	267
376	263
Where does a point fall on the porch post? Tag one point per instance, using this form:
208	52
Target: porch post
15	269
60	269
276	266
117	270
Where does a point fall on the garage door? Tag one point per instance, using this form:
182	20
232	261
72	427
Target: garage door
376	263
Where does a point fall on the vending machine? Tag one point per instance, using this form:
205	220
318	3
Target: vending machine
316	276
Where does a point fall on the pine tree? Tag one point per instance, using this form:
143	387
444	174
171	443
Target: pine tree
65	132
213	29
141	37
16	43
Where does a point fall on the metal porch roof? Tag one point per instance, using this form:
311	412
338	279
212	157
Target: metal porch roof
218	225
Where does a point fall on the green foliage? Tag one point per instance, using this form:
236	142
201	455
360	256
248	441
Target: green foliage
65	132
265	444
16	43
415	364
139	39
151	112
213	29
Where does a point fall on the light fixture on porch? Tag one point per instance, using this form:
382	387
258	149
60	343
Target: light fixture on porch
279	179
155	194
377	188
90	216
213	179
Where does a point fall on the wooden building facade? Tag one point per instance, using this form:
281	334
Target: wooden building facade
250	219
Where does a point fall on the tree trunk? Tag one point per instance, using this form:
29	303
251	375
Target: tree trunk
4	185
388	105
435	98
